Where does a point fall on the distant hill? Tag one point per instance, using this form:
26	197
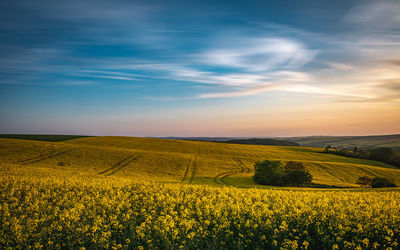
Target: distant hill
239	140
50	138
262	141
373	141
213	139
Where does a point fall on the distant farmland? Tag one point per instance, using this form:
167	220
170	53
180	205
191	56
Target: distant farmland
373	141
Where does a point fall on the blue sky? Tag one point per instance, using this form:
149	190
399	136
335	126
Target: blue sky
200	68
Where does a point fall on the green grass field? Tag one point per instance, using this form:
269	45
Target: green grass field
176	161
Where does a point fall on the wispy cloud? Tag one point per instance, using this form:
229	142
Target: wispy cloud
246	92
231	61
251	66
383	13
258	53
107	77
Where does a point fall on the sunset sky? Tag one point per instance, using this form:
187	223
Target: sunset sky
200	68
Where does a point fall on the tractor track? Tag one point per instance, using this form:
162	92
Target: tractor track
227	175
220	178
124	165
113	166
187	169
242	166
119	165
36	157
194	165
43	157
326	170
191	167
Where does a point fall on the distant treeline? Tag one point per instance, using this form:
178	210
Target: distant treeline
386	155
34	137
256	141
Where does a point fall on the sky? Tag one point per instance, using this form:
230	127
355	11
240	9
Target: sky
200	68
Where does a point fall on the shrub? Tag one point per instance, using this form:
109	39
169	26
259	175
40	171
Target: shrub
345	152
364	181
379	182
396	161
269	172
327	148
297	178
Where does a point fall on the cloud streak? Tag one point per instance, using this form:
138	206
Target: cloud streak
230	61
245	92
259	54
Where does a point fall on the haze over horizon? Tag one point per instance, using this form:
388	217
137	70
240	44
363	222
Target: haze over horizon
200	68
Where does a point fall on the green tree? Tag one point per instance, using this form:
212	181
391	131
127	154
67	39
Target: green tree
382	154
379	182
327	148
297	178
364	181
269	172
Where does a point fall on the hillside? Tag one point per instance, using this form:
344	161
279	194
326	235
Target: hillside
262	141
175	161
391	141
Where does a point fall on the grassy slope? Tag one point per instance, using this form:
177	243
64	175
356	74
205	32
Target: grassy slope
175	161
391	141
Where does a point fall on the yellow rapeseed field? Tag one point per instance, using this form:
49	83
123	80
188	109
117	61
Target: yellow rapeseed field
141	193
61	213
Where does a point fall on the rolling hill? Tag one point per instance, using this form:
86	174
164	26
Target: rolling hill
373	141
175	161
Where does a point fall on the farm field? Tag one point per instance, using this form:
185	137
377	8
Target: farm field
141	193
176	161
121	214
